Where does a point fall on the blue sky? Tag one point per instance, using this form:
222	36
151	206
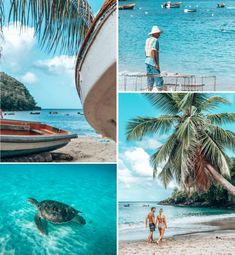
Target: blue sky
49	78
135	172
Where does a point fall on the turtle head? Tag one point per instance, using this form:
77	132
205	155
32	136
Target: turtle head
32	201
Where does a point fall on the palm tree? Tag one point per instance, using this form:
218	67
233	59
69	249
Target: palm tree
58	24
194	153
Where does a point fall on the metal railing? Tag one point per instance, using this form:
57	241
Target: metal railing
178	82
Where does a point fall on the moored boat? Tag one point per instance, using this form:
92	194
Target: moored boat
34	112
190	10
22	138
220	5
96	72
170	5
127	7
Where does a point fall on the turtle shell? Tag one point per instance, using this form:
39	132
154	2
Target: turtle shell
56	212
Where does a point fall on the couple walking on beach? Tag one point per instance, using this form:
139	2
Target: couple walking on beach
152	60
159	222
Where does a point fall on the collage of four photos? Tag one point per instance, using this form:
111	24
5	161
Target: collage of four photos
117	127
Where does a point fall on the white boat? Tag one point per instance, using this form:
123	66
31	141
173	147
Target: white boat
190	10
24	137
96	72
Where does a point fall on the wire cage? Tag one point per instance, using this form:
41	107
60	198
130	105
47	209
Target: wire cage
177	82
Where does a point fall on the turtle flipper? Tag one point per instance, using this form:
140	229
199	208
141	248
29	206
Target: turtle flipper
79	219
41	225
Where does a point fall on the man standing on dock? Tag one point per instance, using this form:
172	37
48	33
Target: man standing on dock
152	60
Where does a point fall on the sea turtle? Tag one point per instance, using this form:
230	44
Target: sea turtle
54	212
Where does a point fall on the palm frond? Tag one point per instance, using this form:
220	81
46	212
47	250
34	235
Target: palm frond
192	100
166	175
167	102
214	153
221	118
59	24
212	103
167	150
141	126
1	15
225	138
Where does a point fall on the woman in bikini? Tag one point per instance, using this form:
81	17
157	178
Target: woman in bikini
162	225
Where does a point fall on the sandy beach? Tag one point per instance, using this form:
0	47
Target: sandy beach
213	243
91	149
218	242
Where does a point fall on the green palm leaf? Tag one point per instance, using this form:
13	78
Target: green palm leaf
59	24
221	118
212	103
214	153
167	102
141	126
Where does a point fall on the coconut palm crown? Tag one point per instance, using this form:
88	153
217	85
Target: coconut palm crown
194	154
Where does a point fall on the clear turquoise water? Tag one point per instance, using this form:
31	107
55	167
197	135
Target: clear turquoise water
181	220
201	43
66	119
89	188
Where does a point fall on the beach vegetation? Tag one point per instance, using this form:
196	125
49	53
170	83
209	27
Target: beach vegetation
14	95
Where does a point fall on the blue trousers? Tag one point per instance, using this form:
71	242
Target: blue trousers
153	76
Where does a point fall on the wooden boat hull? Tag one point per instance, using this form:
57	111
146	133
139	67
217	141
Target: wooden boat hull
127	7
19	138
96	74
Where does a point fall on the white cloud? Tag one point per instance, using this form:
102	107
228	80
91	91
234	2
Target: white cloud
57	65
16	46
149	143
29	78
139	161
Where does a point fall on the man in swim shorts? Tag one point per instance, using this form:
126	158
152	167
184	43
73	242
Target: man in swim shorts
150	219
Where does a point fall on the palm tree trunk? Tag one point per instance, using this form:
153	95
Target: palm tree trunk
221	180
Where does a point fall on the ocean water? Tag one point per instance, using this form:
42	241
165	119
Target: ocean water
66	119
201	43
89	188
181	220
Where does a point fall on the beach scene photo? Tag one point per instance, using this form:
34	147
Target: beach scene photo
58	209
54	105
176	173
192	43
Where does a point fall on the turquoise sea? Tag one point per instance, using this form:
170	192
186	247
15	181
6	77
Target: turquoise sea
181	220
200	43
89	188
71	120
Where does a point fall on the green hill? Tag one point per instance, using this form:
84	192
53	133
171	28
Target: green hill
14	95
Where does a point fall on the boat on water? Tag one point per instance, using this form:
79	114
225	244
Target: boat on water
18	138
96	72
170	5
220	5
190	10
127	7
34	112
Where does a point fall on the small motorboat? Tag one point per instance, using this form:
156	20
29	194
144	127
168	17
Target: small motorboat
96	71
127	7
127	205
220	5
23	137
170	5
190	10
34	112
